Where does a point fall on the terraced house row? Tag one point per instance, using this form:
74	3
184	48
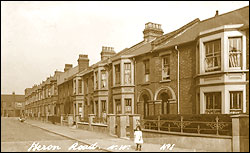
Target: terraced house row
200	68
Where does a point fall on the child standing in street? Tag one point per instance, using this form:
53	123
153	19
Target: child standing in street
138	138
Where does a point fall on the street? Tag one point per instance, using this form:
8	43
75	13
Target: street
22	137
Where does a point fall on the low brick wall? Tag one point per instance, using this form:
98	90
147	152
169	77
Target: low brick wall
100	128
94	127
65	123
189	141
83	125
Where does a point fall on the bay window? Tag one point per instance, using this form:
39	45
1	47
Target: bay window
128	104
213	55
96	80
79	86
118	106
103	102
235	51
235	102
103	77
213	102
127	73
117	74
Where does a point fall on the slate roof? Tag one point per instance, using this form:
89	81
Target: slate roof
147	47
239	16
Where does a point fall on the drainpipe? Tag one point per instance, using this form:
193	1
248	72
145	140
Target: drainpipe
178	80
135	101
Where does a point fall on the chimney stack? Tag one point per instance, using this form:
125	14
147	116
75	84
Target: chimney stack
83	62
57	72
107	52
152	31
67	67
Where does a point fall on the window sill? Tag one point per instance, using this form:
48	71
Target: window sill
164	81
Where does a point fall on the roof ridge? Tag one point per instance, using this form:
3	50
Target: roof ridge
170	34
224	13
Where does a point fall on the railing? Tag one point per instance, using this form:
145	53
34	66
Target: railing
184	126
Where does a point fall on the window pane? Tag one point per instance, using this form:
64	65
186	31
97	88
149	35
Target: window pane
146	65
166	68
213	55
236	101
213	102
127	73
235	52
117	74
103	85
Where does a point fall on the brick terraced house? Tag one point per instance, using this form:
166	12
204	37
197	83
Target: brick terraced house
200	68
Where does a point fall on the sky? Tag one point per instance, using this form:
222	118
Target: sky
38	38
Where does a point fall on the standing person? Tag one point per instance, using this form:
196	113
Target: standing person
138	138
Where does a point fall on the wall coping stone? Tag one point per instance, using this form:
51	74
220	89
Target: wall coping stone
188	134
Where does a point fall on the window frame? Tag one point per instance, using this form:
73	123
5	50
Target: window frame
239	101
127	73
214	110
213	55
79	86
103	80
117	74
164	57
238	52
96	80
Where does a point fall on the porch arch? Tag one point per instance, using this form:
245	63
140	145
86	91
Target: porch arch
166	89
145	96
145	91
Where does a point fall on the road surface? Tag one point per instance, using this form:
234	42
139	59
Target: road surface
20	137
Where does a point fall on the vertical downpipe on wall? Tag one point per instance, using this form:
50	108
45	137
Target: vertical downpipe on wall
178	81
135	99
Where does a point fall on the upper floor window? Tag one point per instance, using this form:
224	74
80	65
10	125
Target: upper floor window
235	51
127	73
235	102
117	74
96	80
213	55
213	102
166	67
104	82
146	70
79	86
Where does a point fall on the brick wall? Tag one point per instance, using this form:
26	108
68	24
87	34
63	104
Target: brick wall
187	71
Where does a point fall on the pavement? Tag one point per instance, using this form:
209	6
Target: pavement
102	140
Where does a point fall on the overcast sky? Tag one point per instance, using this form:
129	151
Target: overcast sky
38	38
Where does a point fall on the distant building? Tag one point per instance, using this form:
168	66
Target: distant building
12	105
